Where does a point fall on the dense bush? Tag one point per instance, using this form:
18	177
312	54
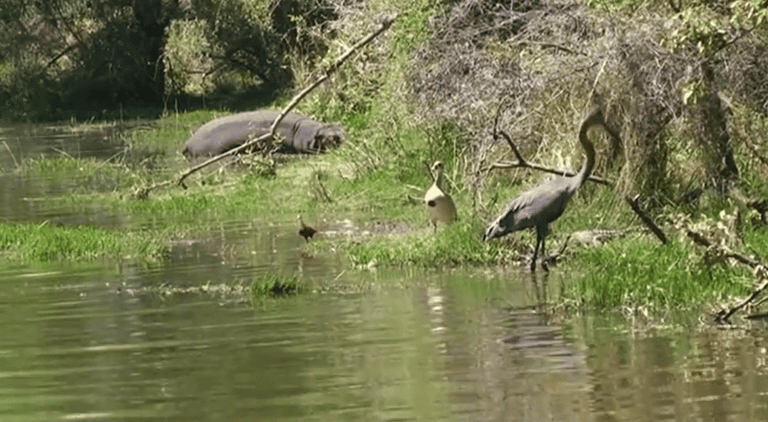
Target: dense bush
664	73
60	56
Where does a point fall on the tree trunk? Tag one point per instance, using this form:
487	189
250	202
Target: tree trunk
722	173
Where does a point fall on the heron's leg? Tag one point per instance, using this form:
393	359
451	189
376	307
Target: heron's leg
543	256
536	249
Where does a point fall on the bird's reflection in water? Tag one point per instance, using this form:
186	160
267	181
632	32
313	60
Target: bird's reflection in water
539	282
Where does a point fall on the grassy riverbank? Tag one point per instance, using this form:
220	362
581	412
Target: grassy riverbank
399	119
635	270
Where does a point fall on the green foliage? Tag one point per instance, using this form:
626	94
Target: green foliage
74	56
641	272
187	56
27	91
369	179
701	26
272	284
39	243
451	245
749	14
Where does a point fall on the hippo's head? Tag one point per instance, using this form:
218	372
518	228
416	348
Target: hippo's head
330	136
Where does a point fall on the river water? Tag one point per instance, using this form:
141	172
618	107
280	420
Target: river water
108	342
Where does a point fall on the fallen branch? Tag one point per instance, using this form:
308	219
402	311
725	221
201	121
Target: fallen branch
725	252
762	274
634	203
385	24
760	271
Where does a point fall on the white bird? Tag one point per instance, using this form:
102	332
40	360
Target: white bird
439	204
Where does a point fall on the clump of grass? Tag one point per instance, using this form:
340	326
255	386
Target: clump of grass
641	272
40	243
276	285
456	244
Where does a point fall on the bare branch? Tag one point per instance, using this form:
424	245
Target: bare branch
512	146
552	45
523	163
634	203
539	167
759	269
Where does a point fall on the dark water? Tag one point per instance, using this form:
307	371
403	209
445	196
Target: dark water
180	342
20	197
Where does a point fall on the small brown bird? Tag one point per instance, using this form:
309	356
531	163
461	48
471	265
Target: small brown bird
439	204
305	231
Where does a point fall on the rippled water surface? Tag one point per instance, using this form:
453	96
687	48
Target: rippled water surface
460	345
181	342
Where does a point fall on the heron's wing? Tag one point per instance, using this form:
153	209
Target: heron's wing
539	205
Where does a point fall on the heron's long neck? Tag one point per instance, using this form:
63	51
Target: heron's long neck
589	149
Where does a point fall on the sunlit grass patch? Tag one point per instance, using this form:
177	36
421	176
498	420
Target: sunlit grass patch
642	272
277	285
39	243
457	244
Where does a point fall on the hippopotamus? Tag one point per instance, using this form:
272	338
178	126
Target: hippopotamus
299	134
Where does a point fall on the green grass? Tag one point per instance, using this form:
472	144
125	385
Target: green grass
640	271
81	174
277	285
456	244
40	243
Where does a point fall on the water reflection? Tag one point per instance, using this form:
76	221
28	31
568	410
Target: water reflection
21	141
457	345
21	197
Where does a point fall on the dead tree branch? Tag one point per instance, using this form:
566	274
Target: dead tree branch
762	274
723	252
385	25
634	203
523	163
760	271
